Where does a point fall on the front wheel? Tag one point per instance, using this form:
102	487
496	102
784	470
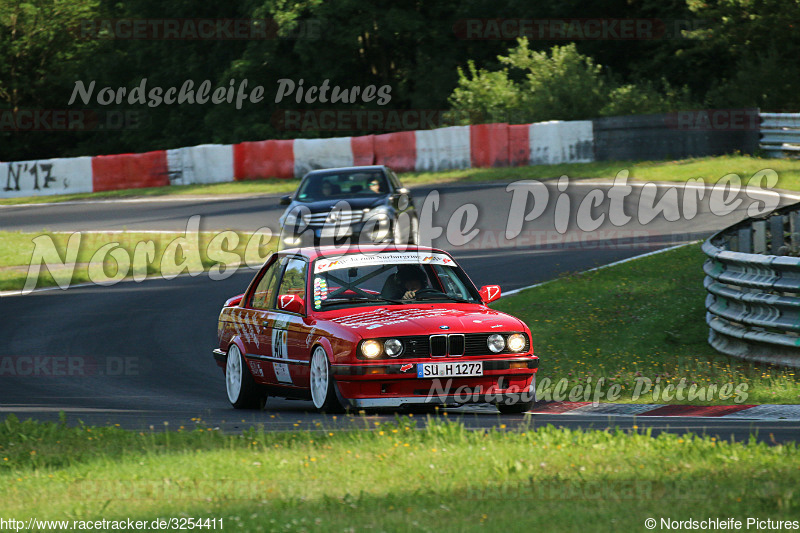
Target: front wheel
243	391
519	403
323	392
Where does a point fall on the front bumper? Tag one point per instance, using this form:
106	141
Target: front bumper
395	385
460	397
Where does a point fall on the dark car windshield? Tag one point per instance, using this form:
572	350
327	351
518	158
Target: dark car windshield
336	186
393	278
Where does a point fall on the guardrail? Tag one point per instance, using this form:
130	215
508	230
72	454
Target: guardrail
753	283
780	134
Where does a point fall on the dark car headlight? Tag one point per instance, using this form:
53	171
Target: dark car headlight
393	347
496	343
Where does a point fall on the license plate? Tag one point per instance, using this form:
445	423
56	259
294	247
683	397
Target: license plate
333	231
449	370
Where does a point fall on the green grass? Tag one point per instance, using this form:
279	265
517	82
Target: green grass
644	318
202	251
710	169
392	477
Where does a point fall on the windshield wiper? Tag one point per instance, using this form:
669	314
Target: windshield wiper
340	301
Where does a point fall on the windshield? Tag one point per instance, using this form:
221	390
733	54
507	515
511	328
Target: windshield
393	278
356	183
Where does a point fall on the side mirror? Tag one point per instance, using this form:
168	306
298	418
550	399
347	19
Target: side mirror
291	303
286	200
490	293
233	302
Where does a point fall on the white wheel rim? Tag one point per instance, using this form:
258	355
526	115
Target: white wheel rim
319	377
233	374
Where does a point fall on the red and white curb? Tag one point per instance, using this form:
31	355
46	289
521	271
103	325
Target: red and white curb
742	412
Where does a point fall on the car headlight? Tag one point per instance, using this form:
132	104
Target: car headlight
496	343
516	342
291	219
393	347
371	349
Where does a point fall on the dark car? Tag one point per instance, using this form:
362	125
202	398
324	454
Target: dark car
357	205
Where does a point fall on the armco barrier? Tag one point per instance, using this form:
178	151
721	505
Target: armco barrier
780	134
676	135
46	177
263	159
753	283
129	171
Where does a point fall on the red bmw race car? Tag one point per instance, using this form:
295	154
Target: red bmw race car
376	327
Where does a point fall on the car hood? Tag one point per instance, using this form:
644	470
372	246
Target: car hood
402	320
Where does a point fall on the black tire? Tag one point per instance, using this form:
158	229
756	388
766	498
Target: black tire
243	391
519	403
321	383
515	408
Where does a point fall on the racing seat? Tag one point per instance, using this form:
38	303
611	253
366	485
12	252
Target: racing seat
392	289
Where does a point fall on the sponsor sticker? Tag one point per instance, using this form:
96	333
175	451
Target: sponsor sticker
356	260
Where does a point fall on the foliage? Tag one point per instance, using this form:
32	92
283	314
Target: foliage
560	85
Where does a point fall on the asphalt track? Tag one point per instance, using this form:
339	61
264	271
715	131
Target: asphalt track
138	354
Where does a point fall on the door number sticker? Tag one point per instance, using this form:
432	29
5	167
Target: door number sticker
279	351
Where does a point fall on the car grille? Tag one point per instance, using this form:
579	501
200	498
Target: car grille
453	344
344	218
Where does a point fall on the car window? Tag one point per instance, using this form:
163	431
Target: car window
294	278
264	295
388	279
395	180
357	183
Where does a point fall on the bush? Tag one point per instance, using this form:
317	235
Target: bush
561	84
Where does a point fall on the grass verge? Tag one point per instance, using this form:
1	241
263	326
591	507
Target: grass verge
710	169
392	477
644	319
106	256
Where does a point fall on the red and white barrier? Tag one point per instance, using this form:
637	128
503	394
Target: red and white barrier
129	171
46	177
442	149
263	159
481	145
207	163
561	142
396	150
311	154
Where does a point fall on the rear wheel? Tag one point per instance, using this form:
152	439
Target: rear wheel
323	392
243	391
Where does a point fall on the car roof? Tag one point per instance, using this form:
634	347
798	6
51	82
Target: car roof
346	169
330	251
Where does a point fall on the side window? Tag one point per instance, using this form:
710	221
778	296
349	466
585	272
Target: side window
395	180
264	294
294	278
